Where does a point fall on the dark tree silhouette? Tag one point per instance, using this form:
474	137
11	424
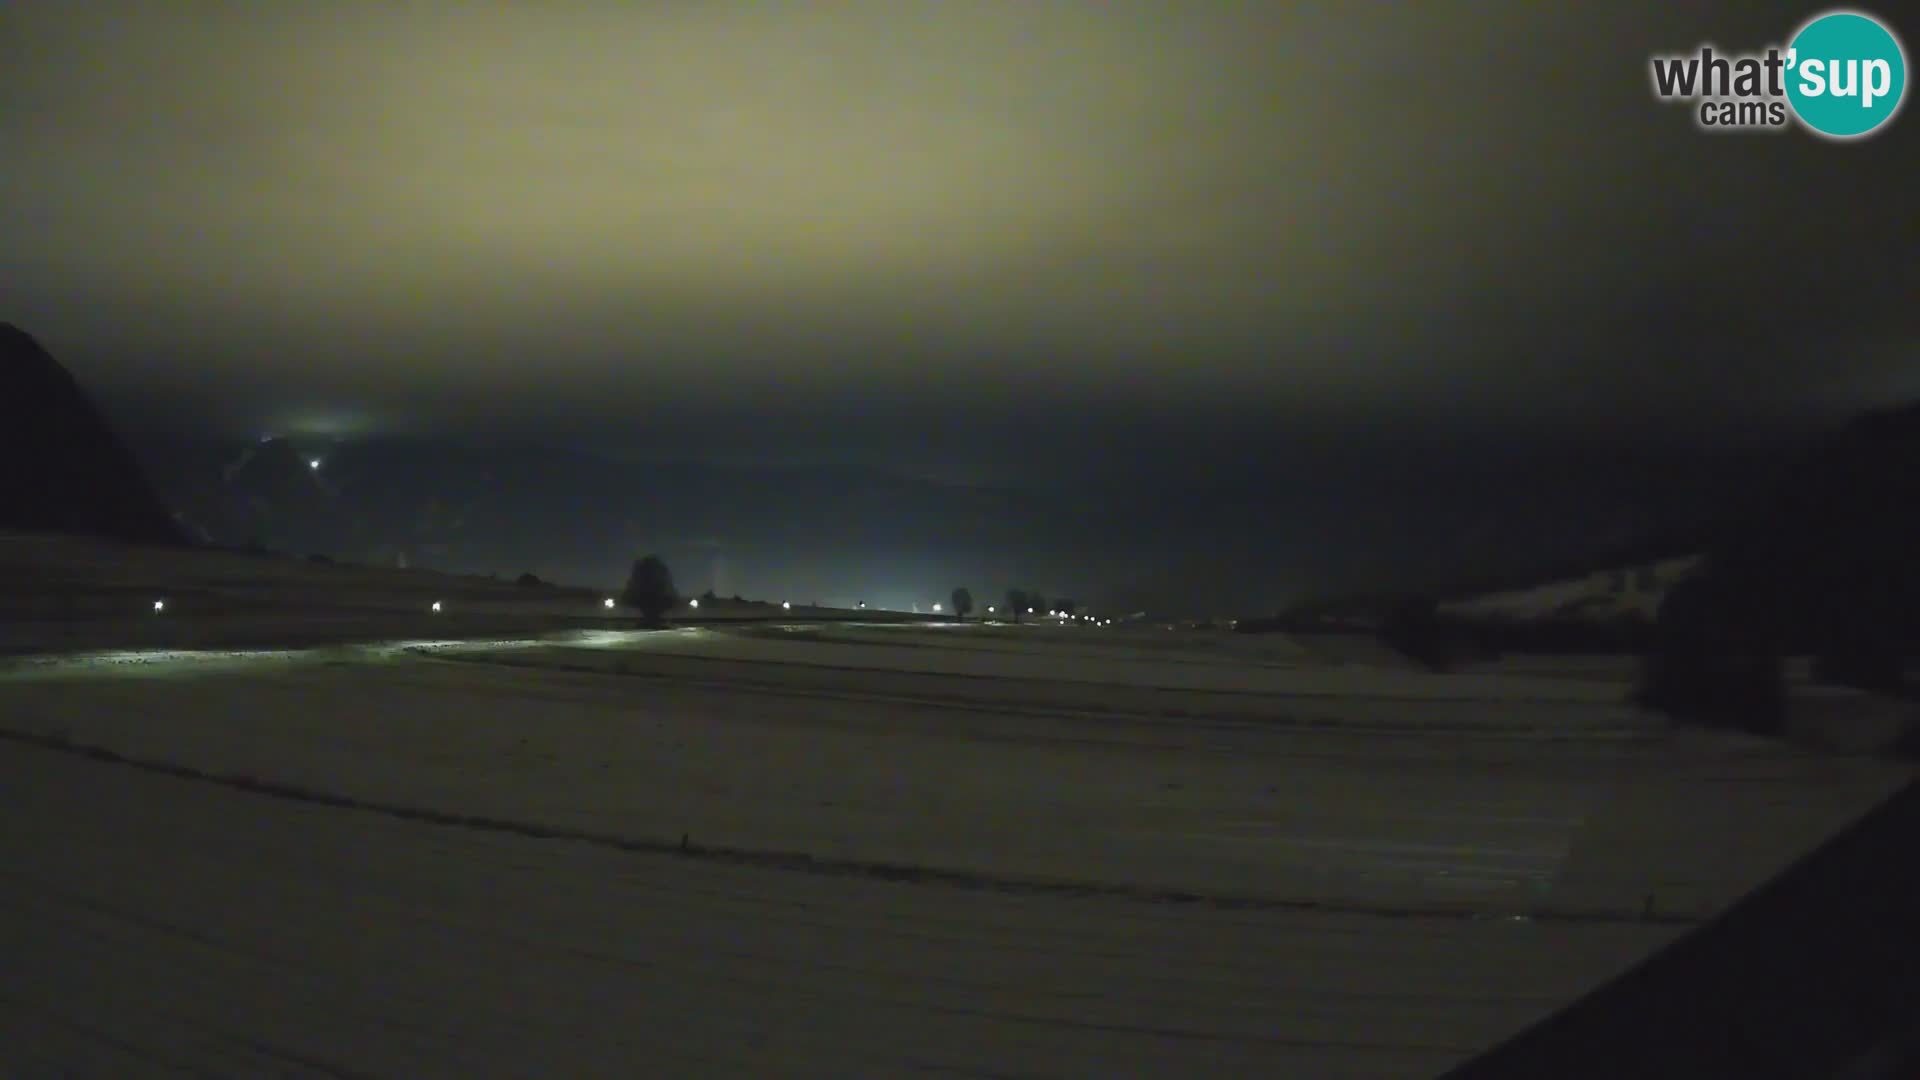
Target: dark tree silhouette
962	602
1017	601
1038	602
530	580
650	589
1715	657
1066	606
1819	561
1412	627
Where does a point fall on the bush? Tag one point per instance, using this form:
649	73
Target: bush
1412	628
650	589
1714	659
529	580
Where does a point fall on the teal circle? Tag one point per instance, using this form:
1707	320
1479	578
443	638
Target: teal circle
1849	48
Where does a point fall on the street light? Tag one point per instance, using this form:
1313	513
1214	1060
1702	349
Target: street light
694	603
159	606
436	606
786	605
936	609
608	603
314	464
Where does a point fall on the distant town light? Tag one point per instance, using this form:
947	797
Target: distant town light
694	603
936	609
159	606
786	605
1029	611
314	464
609	603
989	609
436	606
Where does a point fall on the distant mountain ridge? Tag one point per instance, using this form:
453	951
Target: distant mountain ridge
1199	546
65	470
572	515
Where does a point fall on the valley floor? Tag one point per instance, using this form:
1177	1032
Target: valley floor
852	850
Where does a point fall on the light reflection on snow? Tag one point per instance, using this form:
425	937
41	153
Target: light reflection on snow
162	661
177	656
616	639
147	660
167	660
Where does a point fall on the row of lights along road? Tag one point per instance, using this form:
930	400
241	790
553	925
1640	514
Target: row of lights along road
160	606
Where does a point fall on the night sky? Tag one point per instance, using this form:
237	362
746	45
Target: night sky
988	240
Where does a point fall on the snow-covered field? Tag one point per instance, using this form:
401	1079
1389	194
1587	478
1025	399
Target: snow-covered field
858	849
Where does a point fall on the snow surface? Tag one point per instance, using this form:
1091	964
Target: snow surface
942	850
210	932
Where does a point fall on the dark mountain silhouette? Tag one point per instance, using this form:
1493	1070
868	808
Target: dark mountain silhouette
65	469
574	516
266	494
1230	543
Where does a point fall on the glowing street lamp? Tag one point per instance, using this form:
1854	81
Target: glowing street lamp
159	606
608	603
694	603
936	609
314	465
435	607
786	605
